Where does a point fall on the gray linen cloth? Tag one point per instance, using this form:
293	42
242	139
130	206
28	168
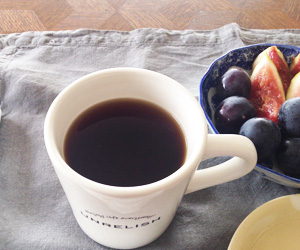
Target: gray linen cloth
36	66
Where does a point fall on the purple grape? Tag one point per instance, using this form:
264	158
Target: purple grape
235	82
288	156
232	113
265	135
289	117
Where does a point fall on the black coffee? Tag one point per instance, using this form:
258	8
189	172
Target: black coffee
125	142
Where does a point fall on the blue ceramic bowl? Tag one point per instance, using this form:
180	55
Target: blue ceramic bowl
241	57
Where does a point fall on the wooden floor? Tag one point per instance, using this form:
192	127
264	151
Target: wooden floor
24	15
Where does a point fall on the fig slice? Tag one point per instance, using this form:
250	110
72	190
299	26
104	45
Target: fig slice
294	89
295	65
267	93
278	59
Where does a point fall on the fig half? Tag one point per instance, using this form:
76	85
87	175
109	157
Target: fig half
267	93
294	89
295	65
278	59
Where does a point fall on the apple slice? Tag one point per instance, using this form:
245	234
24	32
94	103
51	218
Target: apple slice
294	89
278	59
295	65
267	93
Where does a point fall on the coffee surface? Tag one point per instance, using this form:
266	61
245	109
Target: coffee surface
125	142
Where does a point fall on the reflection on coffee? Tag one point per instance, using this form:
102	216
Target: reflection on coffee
125	142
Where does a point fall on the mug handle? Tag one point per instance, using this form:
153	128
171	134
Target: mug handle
224	145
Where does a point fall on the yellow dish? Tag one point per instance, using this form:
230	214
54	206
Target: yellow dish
273	226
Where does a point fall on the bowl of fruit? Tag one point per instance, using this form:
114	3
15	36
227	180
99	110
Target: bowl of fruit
255	91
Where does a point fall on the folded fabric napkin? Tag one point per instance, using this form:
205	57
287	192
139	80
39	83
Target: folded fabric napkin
36	66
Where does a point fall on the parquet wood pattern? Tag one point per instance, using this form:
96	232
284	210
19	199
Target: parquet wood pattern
40	15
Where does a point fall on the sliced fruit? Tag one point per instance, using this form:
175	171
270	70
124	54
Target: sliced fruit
294	89
295	65
267	94
283	69
278	59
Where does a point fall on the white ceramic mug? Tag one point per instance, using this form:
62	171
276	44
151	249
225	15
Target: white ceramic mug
130	217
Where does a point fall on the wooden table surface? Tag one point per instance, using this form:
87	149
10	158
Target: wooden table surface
25	15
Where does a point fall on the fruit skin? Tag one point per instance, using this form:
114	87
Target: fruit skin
264	134
231	113
294	89
288	156
280	63
267	94
295	65
289	117
235	82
